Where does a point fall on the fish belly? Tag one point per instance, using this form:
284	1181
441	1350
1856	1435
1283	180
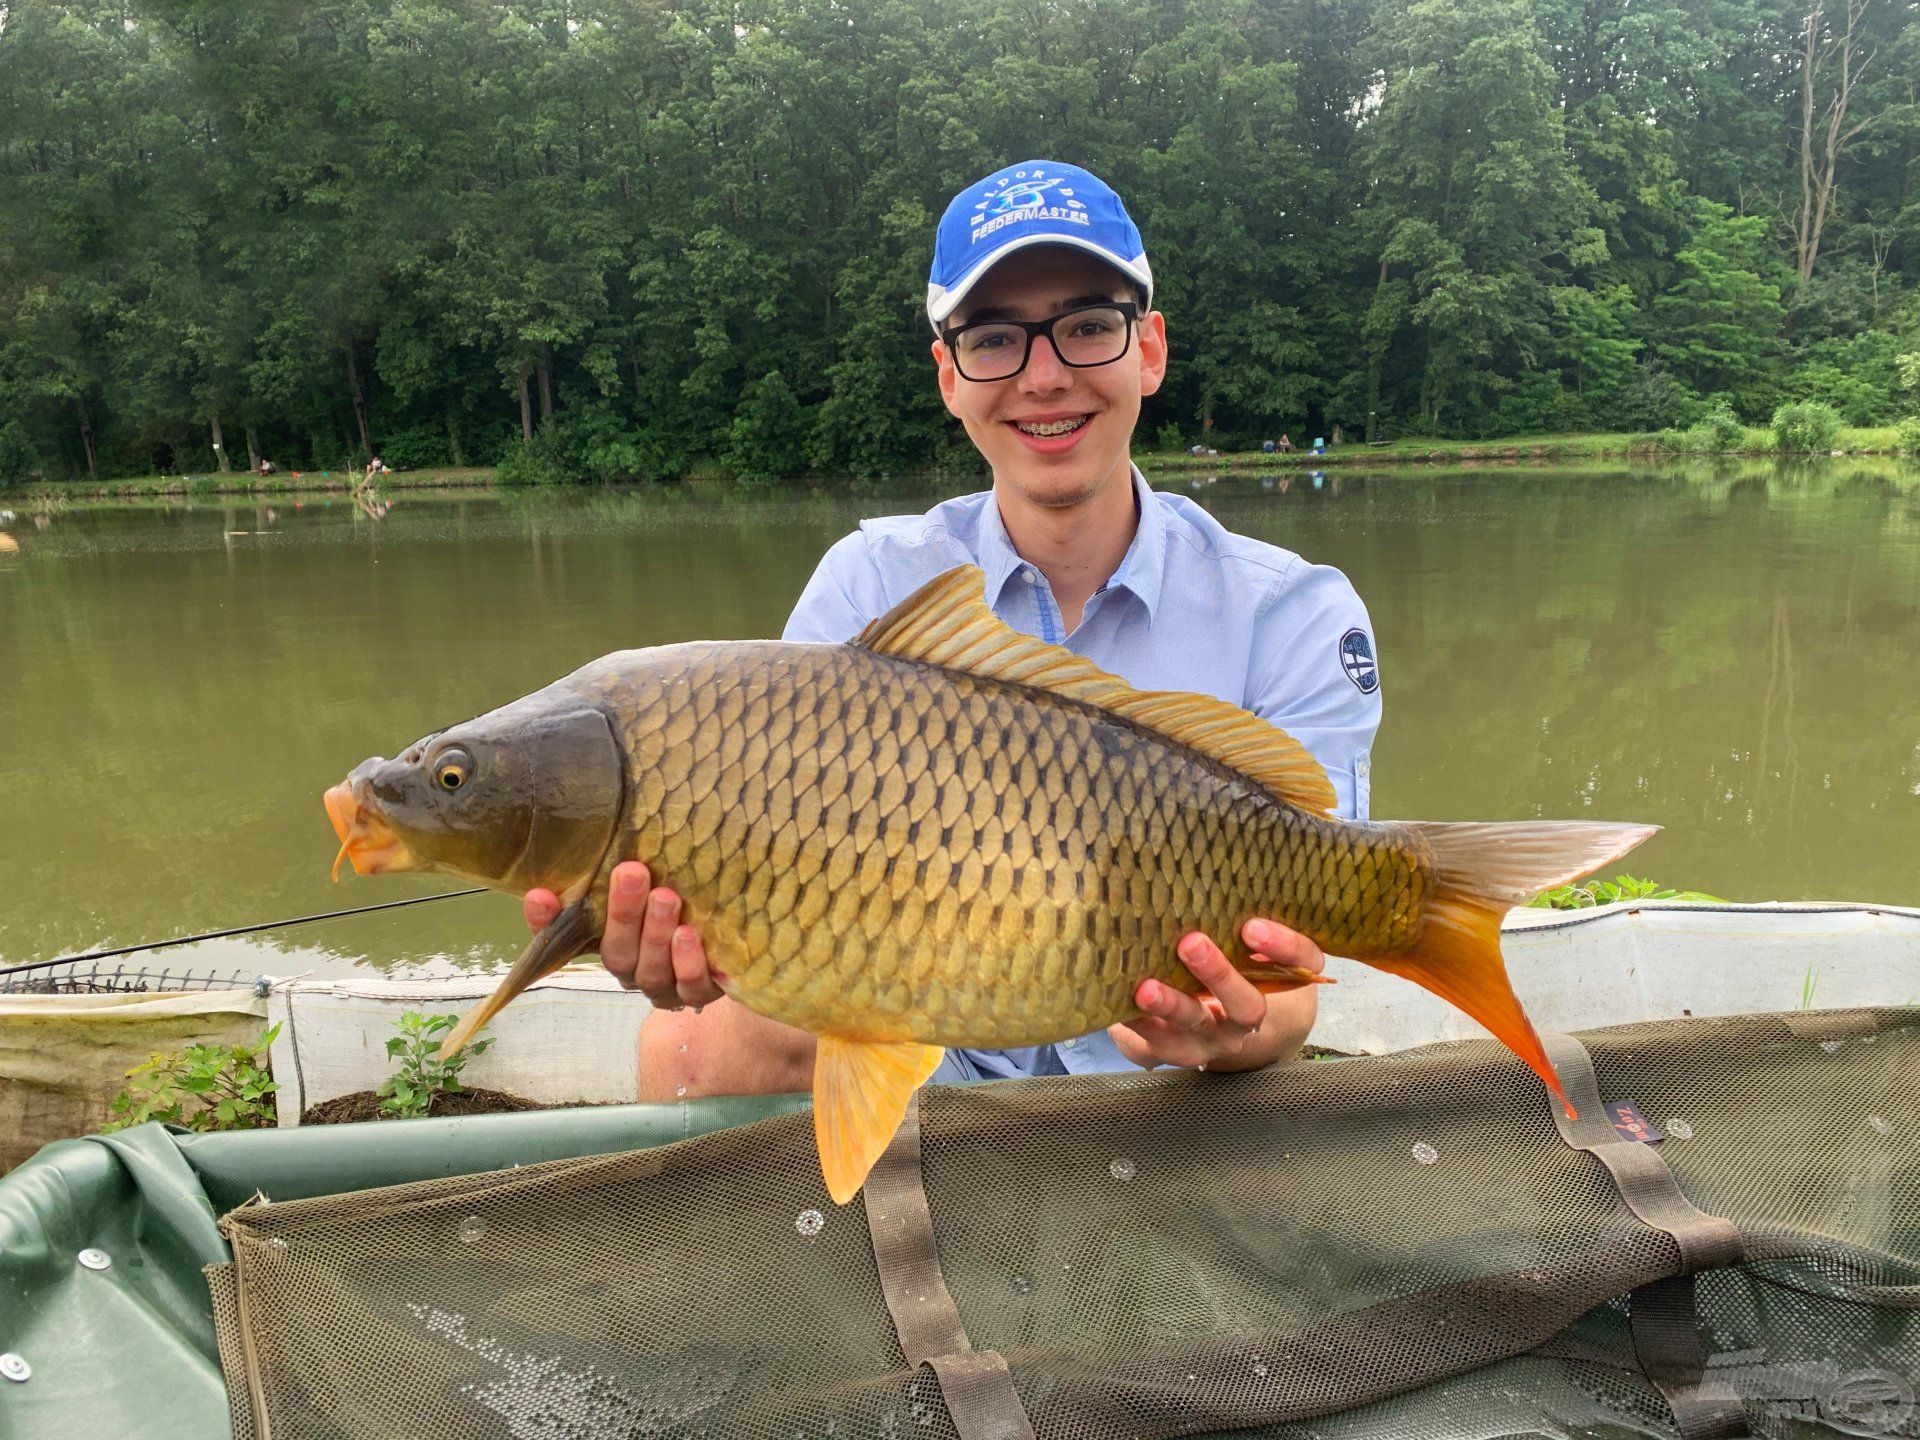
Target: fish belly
881	849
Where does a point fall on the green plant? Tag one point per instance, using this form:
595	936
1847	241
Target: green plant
203	1087
1807	984
1717	431
1808	427
1168	439
1589	893
1907	434
409	1092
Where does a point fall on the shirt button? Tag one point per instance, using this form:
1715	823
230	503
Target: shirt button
1029	577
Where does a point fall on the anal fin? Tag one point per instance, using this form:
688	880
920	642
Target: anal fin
1278	979
861	1090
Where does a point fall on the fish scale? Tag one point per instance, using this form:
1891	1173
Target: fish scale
1117	839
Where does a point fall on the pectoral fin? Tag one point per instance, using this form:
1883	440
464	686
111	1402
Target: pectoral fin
861	1090
574	931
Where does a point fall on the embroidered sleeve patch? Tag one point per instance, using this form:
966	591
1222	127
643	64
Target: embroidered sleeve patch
1356	658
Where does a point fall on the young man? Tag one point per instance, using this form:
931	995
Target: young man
1046	342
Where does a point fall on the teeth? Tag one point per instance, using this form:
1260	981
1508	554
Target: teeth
1052	427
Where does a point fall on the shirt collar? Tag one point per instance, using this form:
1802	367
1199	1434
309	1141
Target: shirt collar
1141	569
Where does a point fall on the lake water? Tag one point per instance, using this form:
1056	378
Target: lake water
1729	652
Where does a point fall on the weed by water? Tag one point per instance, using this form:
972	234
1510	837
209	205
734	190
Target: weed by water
1589	893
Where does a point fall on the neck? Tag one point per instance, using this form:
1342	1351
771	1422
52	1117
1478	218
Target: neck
1077	547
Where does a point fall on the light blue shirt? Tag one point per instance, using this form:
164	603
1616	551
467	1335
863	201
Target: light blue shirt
1193	606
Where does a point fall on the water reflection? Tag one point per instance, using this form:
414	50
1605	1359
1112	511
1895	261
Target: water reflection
1725	649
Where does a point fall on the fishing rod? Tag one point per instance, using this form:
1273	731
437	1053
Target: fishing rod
236	930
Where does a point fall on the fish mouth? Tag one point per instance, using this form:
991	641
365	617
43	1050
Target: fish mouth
365	839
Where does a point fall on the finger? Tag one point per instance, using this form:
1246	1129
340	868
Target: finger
654	973
539	907
1169	1006
1130	1043
1241	1004
620	941
1274	941
691	979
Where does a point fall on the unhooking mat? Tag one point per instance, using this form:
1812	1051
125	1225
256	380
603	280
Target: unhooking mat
1726	1242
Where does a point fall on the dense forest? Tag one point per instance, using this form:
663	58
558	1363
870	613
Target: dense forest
632	238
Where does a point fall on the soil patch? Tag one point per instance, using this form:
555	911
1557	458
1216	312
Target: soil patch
1321	1052
365	1105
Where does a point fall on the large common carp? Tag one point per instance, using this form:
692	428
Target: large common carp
943	832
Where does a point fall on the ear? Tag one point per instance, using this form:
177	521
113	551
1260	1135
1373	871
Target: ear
948	376
1153	351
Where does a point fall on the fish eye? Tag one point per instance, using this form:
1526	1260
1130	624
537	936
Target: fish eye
452	769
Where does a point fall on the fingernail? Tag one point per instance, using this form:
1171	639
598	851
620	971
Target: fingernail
662	905
1193	948
629	885
1150	993
1258	932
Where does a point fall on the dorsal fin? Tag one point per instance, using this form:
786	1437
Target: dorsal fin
946	622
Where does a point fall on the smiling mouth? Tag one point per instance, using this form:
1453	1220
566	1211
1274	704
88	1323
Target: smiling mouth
1050	429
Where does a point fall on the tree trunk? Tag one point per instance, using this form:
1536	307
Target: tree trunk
453	440
86	440
253	452
546	384
526	408
1820	155
359	399
220	447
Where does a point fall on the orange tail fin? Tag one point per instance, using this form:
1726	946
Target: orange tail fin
1481	871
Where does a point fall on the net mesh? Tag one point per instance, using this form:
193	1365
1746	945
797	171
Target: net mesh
1403	1242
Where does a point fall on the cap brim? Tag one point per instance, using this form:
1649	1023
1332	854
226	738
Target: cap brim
950	300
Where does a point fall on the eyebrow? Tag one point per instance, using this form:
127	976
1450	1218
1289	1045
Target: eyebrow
1005	312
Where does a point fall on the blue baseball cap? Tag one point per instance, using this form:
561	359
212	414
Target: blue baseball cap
1037	202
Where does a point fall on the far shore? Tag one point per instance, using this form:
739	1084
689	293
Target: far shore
1531	449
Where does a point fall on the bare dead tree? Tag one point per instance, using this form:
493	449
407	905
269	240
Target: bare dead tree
1824	141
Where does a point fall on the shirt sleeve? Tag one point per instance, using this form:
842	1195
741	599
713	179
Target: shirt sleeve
1316	675
844	594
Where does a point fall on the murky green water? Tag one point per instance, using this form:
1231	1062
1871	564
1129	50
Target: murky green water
1730	653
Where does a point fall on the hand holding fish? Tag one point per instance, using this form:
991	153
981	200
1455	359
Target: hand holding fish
1230	1025
644	947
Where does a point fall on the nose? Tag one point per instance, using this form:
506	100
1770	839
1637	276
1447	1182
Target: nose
1045	372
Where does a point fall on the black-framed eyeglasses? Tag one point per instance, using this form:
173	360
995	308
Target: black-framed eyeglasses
1084	337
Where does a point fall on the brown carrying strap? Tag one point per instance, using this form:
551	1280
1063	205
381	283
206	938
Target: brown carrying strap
976	1384
1664	1314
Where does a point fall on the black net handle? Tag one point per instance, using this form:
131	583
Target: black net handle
975	1384
1664	1315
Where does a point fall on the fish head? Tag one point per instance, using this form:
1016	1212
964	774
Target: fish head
528	795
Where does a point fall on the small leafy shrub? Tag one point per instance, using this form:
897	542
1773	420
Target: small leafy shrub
203	1087
1805	428
1907	435
19	461
1589	893
1168	437
1650	399
532	462
420	446
1717	431
409	1092
767	438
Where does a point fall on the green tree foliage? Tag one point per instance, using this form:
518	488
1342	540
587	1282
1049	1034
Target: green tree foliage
616	239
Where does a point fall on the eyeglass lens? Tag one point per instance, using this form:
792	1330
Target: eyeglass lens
1081	338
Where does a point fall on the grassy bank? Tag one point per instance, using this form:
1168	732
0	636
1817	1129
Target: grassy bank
1755	443
205	486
